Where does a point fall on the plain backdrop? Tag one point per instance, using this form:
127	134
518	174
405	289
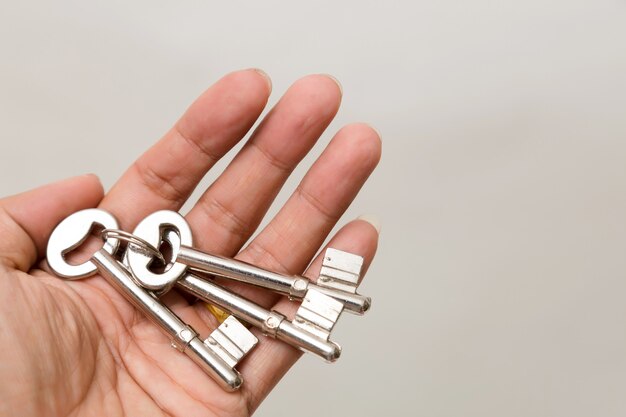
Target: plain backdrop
499	287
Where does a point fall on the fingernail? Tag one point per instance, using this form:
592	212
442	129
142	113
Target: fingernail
267	77
371	219
332	77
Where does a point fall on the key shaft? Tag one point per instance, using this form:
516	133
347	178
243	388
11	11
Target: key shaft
293	286
184	338
272	323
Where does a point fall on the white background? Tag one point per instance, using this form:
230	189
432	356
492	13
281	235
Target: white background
499	289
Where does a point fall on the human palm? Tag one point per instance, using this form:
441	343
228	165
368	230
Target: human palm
79	348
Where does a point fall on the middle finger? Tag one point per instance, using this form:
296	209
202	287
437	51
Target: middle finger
233	206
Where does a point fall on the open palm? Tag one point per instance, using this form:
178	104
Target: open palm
79	348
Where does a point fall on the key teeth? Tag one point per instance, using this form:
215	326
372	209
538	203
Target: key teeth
340	270
231	341
318	314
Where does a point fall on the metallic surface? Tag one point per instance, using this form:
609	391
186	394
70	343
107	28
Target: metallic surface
231	341
271	323
133	240
293	286
165	224
318	314
70	234
151	229
340	270
184	338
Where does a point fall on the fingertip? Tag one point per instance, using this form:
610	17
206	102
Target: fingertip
237	96
335	80
373	220
322	90
363	141
375	129
265	76
249	80
93	182
82	191
360	237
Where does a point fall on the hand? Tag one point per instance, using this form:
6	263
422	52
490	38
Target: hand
78	347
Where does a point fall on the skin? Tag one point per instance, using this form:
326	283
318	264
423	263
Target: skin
79	348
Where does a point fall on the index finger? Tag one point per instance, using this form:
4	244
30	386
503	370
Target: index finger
167	173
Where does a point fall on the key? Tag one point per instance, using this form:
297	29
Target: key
217	355
338	277
313	322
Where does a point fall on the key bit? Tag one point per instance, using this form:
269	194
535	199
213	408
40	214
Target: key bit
318	314
231	341
340	270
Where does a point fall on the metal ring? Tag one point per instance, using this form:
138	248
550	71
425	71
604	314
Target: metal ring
133	240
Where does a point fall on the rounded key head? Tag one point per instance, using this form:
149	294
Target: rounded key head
161	225
70	234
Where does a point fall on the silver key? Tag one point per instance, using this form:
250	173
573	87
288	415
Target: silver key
272	323
314	319
216	356
338	277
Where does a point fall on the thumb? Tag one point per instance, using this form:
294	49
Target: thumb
27	219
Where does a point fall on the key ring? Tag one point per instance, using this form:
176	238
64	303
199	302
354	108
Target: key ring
133	240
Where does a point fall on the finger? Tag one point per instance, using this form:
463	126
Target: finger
271	359
293	237
27	219
165	176
231	209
